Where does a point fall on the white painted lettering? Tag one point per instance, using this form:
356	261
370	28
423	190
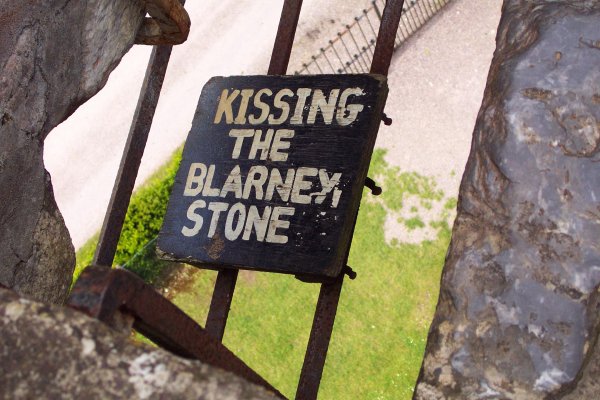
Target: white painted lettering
252	181
231	232
195	218
262	145
233	183
276	223
327	107
351	109
282	105
241	117
263	107
224	107
300	184
209	191
194	183
280	144
258	222
283	188
327	184
216	207
302	94
239	135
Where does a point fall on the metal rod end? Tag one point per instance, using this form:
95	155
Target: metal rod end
350	272
370	184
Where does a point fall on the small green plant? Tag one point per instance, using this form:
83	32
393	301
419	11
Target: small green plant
414	223
142	223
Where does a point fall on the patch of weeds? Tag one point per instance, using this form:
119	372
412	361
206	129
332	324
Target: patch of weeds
414	223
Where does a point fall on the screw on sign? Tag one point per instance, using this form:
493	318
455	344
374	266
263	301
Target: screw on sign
272	173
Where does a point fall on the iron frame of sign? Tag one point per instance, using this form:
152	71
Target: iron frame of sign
330	291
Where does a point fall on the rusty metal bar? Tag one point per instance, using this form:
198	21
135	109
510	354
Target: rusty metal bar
107	294
282	49
132	156
280	58
384	48
220	303
329	295
318	343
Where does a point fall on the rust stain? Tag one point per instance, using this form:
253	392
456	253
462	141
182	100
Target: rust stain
537	94
593	44
216	247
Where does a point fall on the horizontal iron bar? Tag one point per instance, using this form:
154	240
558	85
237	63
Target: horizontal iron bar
102	292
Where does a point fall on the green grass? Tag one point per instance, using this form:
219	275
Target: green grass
414	223
383	316
142	223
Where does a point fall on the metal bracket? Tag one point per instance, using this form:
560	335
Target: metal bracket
169	23
372	185
387	121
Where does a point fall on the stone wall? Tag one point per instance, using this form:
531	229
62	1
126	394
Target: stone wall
52	352
53	57
518	310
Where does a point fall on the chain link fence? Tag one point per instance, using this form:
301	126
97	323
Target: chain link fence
351	52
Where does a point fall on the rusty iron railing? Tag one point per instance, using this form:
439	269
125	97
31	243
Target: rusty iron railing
105	293
351	51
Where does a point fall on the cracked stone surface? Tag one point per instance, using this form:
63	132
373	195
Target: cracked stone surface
518	310
51	352
53	57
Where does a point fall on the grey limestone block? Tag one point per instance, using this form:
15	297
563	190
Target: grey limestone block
54	55
51	352
518	312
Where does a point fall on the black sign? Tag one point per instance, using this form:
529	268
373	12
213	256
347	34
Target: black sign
273	172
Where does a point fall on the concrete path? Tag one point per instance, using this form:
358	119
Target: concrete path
436	86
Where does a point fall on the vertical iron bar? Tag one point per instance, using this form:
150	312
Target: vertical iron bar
416	20
132	156
286	31
280	58
314	360
384	48
415	13
316	351
220	303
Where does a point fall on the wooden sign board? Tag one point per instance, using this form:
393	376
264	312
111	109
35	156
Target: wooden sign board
272	173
